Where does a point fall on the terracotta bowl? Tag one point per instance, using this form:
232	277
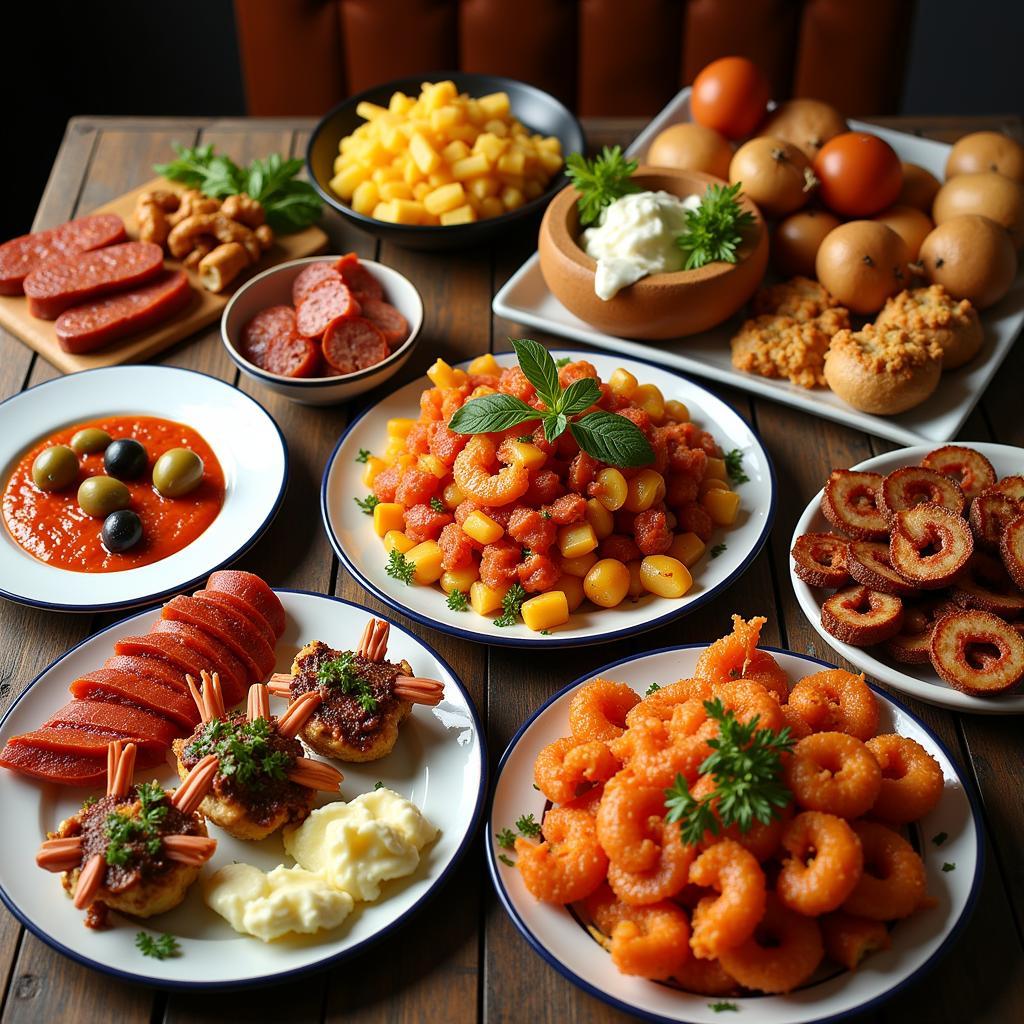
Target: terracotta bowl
662	305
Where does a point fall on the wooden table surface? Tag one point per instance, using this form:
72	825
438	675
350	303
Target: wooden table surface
461	959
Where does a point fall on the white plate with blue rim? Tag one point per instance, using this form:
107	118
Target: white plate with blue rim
948	839
729	553
439	763
247	442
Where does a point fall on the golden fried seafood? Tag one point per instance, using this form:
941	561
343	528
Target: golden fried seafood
911	779
869	564
861	616
849	939
836	701
929	545
824	863
850	502
892	884
908	486
833	773
724	921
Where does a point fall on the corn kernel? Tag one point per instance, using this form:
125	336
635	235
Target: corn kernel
599	518
572	587
665	576
647	488
545	611
388	515
460	579
676	411
607	583
374	467
395	540
687	548
484	599
522	453
649	398
576	540
722	506
482	528
426	558
484	365
714	469
622	383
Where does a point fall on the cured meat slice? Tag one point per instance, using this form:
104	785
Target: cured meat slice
327	301
359	279
265	327
173	650
95	324
293	356
354	344
391	323
157	669
234	603
309	277
219	658
251	589
20	256
54	766
88	743
59	284
116	718
109	684
228	627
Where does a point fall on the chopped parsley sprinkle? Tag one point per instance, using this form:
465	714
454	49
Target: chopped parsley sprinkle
437	505
723	1007
734	467
528	826
367	504
160	947
123	831
378	784
342	673
243	749
653	688
364	455
457	601
400	568
511	603
717	550
506	838
525	438
949	866
939	838
507	861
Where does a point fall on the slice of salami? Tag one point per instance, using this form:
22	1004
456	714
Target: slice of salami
266	326
293	356
309	277
20	256
358	278
354	344
59	284
95	324
392	324
326	302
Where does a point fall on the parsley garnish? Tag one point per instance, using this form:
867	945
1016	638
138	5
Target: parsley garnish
160	947
457	601
545	632
939	838
606	436
713	230
367	504
506	838
89	801
653	688
734	467
746	765
525	554
342	673
364	455
563	361
949	866
718	549
378	785
510	605
437	505
400	568
527	438
508	861
723	1006
122	831
243	749
600	181
528	826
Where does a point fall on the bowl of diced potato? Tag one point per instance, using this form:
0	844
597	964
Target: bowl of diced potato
445	160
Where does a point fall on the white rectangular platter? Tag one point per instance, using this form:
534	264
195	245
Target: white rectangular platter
526	300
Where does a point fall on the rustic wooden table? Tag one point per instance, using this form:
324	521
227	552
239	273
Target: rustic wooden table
461	959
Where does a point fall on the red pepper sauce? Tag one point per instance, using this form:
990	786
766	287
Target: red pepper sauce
51	526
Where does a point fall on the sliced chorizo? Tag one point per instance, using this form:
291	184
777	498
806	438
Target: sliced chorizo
354	344
327	301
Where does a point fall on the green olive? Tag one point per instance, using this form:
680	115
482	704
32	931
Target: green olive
177	472
100	495
90	440
55	468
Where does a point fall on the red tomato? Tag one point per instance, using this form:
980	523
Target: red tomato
859	173
730	95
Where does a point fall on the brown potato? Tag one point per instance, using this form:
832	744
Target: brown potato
774	174
909	223
691	147
986	151
986	193
919	188
796	240
862	263
972	257
807	124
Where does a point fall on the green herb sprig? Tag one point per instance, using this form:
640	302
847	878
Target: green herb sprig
457	601
653	688
289	204
714	230
367	504
124	831
734	467
606	436
600	181
528	826
343	674
511	604
718	549
400	568
243	749
363	456
160	947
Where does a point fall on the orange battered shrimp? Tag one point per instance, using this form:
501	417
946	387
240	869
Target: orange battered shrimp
569	865
727	658
849	939
705	977
834	773
565	765
824	864
651	941
588	801
660	882
762	668
598	710
473	474
629	821
798	728
747	699
783	953
911	779
656	754
836	701
662	703
725	921
893	883
762	840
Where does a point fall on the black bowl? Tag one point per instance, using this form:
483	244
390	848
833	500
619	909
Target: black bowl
538	110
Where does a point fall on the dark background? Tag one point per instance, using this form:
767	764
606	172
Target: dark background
152	57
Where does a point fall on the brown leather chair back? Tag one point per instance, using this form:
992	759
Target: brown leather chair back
601	57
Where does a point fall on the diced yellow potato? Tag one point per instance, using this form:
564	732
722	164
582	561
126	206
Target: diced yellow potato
400	103
365	197
532	189
455	150
469	167
439	178
665	576
545	611
525	454
445	376
482	528
676	411
579	565
714	469
407	211
485	600
445	198
495	105
452	495
572	587
512	162
460	215
374	467
607	583
711	484
722	506
369	110
636	583
651	400
483	188
687	548
427	158
399	426
550	161
600	518
420	189
346	181
395	540
460	579
491	207
622	382
512	198
426	557
388	515
432	464
395	190
491	146
382	174
645	489
516	181
576	540
394	450
485	365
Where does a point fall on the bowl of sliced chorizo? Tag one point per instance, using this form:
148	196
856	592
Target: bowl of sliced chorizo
323	329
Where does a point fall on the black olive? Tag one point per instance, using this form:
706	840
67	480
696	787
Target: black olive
125	459
121	530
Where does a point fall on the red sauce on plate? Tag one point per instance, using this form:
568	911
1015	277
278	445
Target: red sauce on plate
50	526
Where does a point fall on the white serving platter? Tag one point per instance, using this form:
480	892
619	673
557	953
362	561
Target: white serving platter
525	299
439	762
246	440
917	942
361	551
921	681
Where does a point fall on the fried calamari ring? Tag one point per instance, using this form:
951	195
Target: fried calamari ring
1012	487
991	514
1011	550
911	779
850	503
664	879
968	468
833	773
598	710
662	703
566	765
985	584
892	884
705	977
914	485
819	559
569	864
869	564
824	863
912	644
849	939
723	922
835	700
862	617
929	545
977	652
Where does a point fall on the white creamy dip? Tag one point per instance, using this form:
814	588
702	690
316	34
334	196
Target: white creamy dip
636	236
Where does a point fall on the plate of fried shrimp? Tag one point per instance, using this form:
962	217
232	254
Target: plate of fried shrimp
722	827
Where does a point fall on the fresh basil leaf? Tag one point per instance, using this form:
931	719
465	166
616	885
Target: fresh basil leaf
579	396
612	439
491	413
554	426
540	370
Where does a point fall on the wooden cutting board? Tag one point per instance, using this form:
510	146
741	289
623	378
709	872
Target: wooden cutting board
203	308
